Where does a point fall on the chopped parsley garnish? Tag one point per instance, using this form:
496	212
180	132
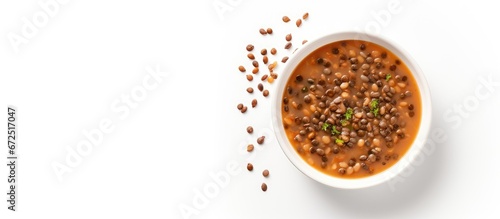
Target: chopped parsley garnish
335	131
339	141
348	114
374	107
325	126
387	77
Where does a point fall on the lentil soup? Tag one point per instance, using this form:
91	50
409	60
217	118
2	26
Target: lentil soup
351	108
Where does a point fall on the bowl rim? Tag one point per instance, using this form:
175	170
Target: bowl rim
403	163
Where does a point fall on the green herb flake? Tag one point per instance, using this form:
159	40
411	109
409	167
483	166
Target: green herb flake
325	126
387	77
348	114
374	107
375	112
335	131
339	141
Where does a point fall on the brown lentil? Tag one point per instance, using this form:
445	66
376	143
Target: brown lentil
288	37
251	56
265	93
264	77
250	147
255	63
241	68
262	31
265	173
249	77
250	47
264	187
255	70
285	19
254	103
298	22
273	51
288	45
260	140
263	52
304	42
249	167
250	90
284	59
305	16
265	59
250	129
240	106
269	30
244	109
260	87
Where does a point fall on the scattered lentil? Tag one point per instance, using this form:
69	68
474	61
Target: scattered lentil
260	140
298	22
249	167
286	19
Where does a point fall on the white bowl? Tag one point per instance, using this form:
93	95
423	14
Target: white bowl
405	161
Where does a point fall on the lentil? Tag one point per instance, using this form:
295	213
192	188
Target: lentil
250	147
249	77
265	93
249	167
264	187
265	173
249	47
241	68
251	56
261	139
254	103
305	16
298	22
264	77
255	70
273	51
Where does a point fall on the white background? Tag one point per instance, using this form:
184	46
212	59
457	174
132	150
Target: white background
65	79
